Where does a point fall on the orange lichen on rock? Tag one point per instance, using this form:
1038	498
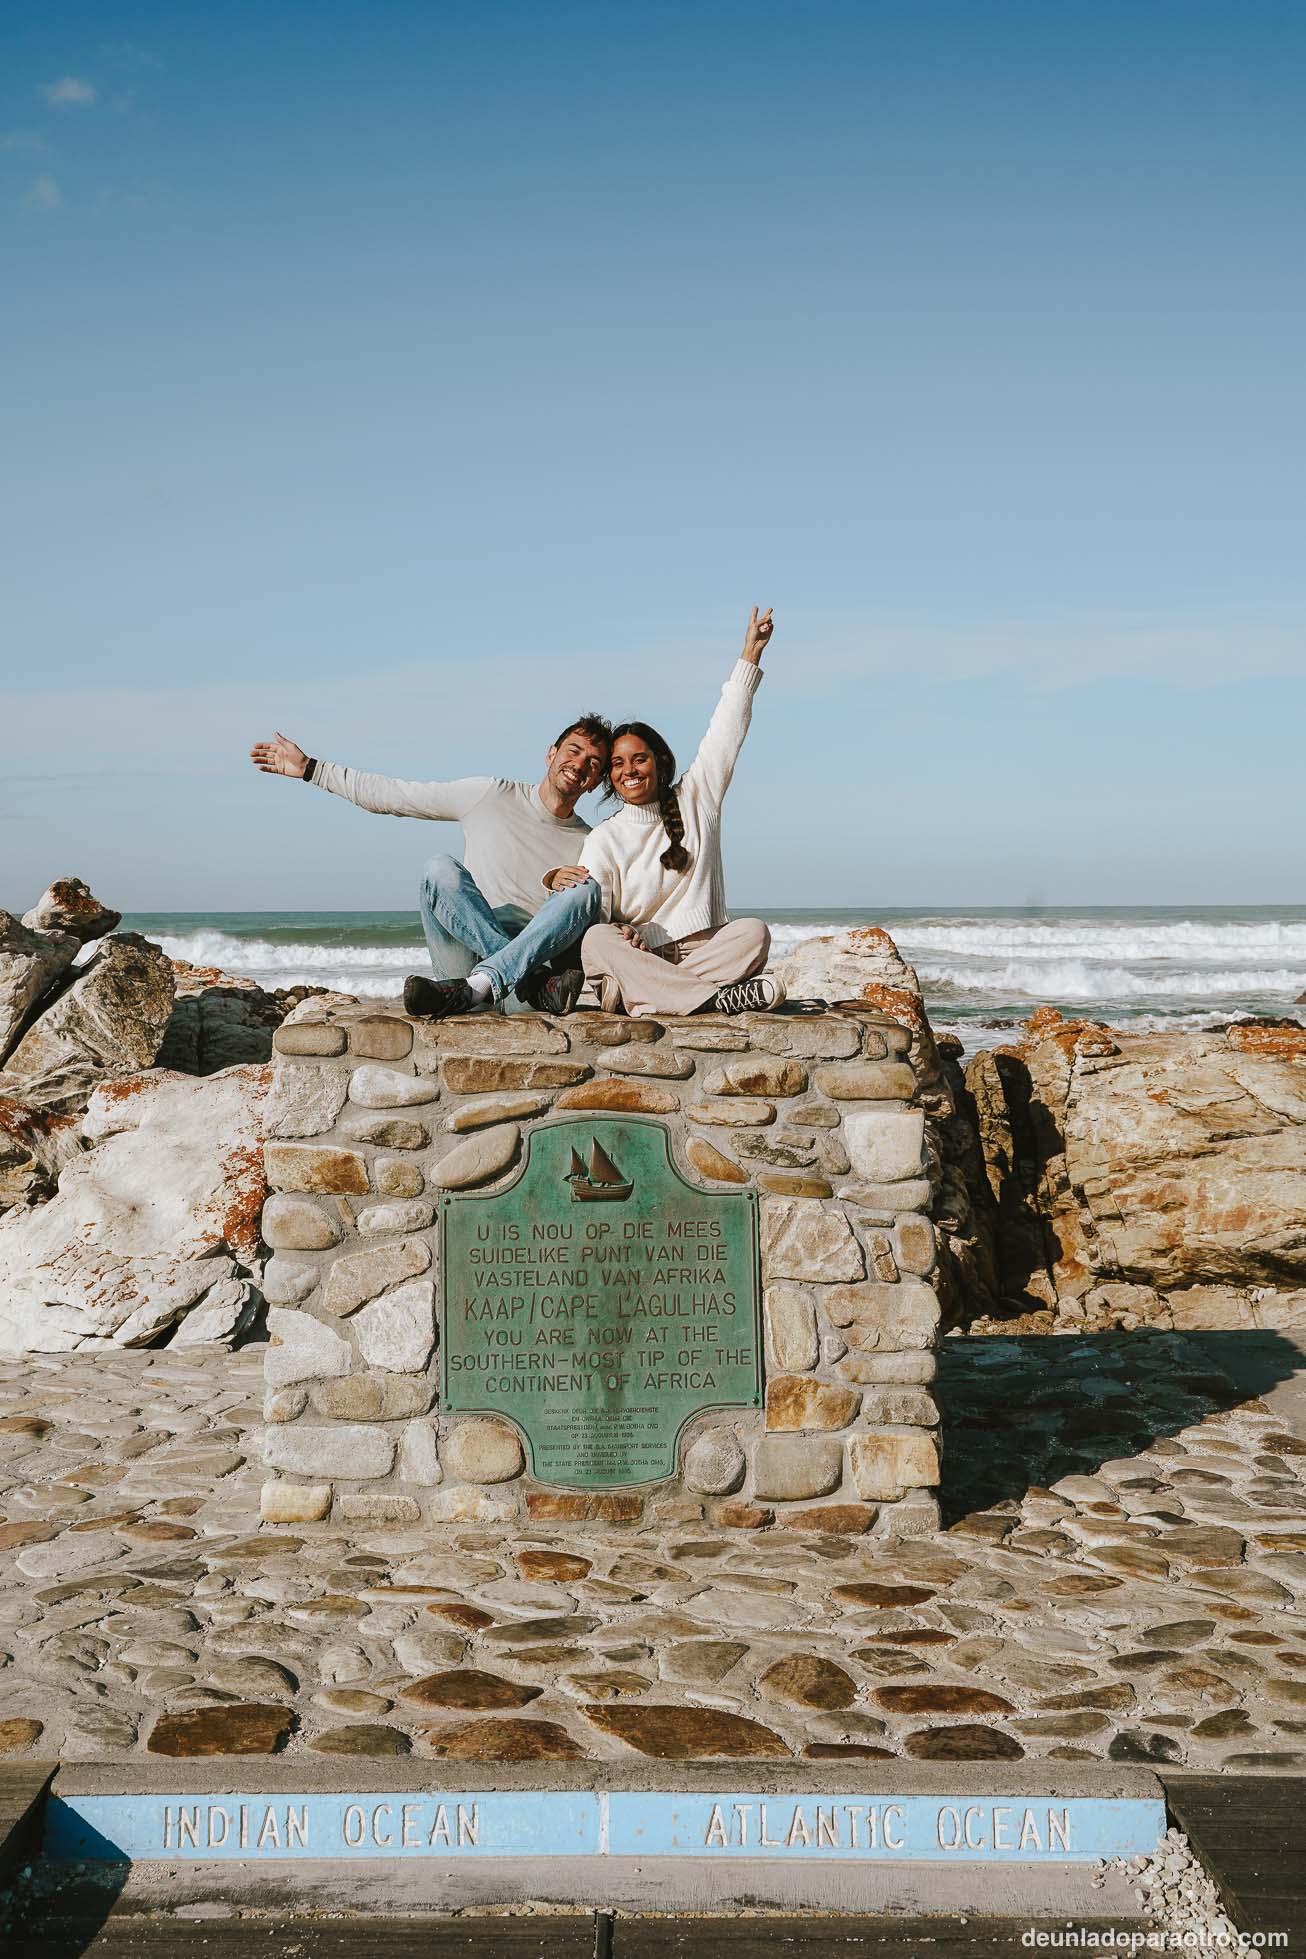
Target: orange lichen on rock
1073	1037
123	1089
899	1002
197	979
1283	1043
18	1120
872	938
248	1191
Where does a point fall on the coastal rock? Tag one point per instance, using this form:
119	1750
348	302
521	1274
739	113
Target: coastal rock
68	905
109	1022
147	1223
862	965
1155	1178
222	1315
30	963
34	1147
221	1021
1185	1159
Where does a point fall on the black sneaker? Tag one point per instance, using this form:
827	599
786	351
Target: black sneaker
551	993
750	996
431	999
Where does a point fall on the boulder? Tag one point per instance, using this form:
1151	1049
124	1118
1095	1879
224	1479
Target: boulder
862	964
108	1022
1185	1166
219	1021
1132	1178
158	1220
34	1146
30	963
70	906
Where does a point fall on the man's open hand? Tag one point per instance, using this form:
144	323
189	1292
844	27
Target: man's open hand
279	757
756	634
566	875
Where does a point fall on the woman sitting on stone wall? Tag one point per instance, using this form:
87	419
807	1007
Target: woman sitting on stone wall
667	945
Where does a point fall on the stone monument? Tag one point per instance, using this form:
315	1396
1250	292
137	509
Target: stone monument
541	1270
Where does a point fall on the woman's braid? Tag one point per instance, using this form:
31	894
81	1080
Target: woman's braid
675	857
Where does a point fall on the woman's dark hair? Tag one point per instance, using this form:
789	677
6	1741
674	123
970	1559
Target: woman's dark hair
675	857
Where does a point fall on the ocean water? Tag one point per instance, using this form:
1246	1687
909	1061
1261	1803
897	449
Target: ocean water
981	971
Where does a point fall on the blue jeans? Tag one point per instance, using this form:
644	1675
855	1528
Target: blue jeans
465	934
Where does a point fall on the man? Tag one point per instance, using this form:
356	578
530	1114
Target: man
491	927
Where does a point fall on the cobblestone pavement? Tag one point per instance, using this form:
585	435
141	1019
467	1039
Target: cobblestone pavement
1121	1578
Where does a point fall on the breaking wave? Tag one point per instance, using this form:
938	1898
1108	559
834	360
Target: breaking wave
1078	979
1165	966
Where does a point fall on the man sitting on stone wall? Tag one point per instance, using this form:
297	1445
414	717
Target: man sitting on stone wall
491	927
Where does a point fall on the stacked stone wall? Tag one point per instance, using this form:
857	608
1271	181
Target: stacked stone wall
827	1114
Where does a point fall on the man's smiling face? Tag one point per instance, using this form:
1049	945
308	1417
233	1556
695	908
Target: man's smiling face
575	765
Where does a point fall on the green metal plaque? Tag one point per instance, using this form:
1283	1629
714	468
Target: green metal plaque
599	1302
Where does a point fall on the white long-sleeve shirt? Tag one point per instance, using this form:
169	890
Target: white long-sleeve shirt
623	852
510	840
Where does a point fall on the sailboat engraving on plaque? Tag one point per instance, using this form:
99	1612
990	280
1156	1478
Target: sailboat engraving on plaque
601	1183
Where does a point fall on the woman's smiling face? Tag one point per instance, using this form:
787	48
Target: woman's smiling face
634	770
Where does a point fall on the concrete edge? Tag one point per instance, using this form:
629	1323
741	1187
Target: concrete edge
342	1775
1039	1893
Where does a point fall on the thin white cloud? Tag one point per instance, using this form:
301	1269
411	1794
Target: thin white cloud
69	92
45	195
214	725
28	140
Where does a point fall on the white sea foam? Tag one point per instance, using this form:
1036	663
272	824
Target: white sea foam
1122	940
250	956
1163	968
1078	979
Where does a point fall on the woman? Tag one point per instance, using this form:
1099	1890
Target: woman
667	945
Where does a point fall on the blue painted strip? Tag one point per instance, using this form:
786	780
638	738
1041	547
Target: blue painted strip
141	1829
639	1823
953	1829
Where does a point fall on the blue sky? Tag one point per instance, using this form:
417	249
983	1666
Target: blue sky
410	377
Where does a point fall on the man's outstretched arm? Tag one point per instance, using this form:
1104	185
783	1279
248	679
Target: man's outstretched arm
385	795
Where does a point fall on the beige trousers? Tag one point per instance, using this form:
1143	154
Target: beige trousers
679	977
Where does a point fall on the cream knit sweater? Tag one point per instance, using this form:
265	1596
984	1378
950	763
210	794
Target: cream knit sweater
622	853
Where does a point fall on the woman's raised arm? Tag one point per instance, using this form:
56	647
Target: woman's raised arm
712	767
